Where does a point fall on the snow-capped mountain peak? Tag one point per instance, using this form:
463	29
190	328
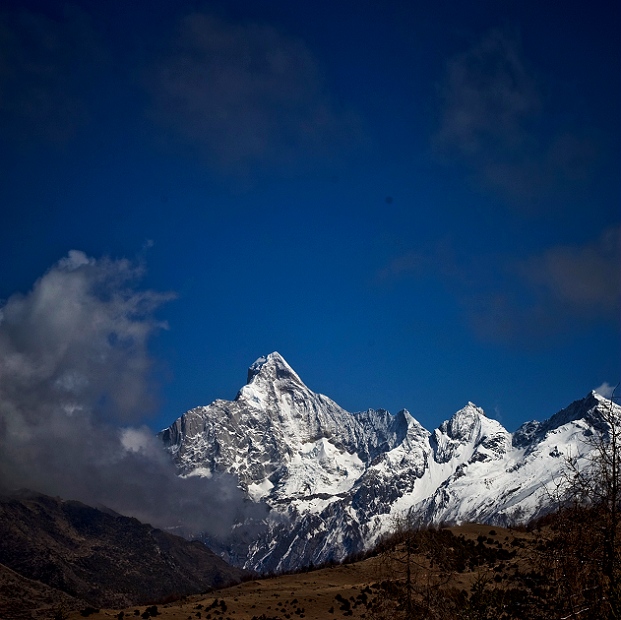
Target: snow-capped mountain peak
470	435
270	367
464	424
269	379
336	480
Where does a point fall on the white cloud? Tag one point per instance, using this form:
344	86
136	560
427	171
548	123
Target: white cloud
74	361
138	440
74	259
81	333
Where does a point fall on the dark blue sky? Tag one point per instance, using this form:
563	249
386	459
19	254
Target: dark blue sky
416	204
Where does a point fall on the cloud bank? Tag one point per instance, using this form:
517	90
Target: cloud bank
75	385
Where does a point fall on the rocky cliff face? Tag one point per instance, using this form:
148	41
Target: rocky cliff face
336	481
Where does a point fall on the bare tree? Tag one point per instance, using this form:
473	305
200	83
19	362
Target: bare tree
411	577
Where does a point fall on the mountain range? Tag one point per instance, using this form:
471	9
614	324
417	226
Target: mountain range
337	481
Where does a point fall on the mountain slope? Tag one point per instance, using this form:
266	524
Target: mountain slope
99	557
336	481
24	599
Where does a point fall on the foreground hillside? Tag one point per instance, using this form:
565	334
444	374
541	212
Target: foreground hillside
469	571
54	551
550	571
23	599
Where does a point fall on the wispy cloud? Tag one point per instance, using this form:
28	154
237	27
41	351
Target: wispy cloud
245	93
488	95
549	293
607	391
75	387
524	301
584	279
492	122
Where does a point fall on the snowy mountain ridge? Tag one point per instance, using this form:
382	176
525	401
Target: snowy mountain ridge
336	481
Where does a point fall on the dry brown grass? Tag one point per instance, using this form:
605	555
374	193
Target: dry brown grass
344	591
